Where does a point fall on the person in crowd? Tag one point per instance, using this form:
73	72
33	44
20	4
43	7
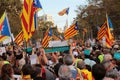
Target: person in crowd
110	66
118	64
65	73
6	72
56	68
79	63
26	72
89	61
98	71
36	74
107	62
67	59
111	75
19	62
83	72
46	73
11	57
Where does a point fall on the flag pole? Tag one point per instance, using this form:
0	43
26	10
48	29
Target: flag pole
66	24
9	28
26	57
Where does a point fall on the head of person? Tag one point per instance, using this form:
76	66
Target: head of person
106	51
4	56
112	74
98	71
64	73
81	64
26	69
6	72
36	72
107	61
67	59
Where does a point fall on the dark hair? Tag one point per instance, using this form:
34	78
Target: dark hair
6	72
18	57
4	56
98	71
88	67
35	72
60	60
27	69
9	53
56	68
38	53
38	65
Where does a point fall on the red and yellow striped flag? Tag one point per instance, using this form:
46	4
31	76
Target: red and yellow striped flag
105	32
47	38
55	37
27	17
109	37
64	11
102	31
72	31
19	38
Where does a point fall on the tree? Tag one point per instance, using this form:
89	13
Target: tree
113	9
41	29
94	14
88	18
13	9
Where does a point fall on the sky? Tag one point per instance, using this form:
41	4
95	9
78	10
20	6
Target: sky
52	7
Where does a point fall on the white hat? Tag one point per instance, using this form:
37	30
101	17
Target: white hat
116	46
75	53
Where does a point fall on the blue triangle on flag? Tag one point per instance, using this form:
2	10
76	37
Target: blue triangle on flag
76	26
37	4
50	32
5	28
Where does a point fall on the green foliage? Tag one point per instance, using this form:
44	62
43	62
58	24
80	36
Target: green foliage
94	14
13	9
43	26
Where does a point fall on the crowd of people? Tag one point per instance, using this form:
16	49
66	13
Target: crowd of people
82	62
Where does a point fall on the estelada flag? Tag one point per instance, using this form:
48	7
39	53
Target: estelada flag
4	27
27	17
19	39
71	31
64	11
47	38
106	32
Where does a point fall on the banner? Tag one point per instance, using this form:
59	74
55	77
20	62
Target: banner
51	49
28	50
33	59
58	43
57	49
8	40
2	50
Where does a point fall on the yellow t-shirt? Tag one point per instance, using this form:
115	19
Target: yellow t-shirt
87	75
